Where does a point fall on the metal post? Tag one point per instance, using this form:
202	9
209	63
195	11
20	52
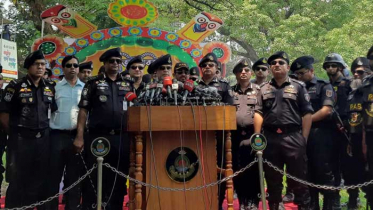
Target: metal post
99	182
262	191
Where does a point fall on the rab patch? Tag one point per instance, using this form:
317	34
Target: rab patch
329	93
307	97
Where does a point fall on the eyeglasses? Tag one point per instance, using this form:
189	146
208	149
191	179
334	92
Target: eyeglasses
118	61
301	73
37	64
182	72
360	72
69	65
331	65
165	68
278	62
246	70
137	67
261	68
204	65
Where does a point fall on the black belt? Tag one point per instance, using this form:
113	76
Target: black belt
69	132
283	129
105	131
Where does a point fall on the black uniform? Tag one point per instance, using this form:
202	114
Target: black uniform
321	146
283	108
28	146
104	100
362	112
246	184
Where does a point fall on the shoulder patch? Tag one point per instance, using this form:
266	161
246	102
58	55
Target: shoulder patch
16	81
92	78
257	87
299	82
223	80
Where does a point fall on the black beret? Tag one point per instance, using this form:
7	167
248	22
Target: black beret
194	71
150	68
301	63
48	71
136	59
240	65
209	57
360	61
115	52
181	66
280	54
370	53
163	60
146	78
32	57
86	65
261	62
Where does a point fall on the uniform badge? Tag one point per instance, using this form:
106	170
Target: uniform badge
370	97
8	96
307	97
329	93
25	110
23	85
23	100
268	103
85	91
355	119
169	60
298	65
103	98
49	98
335	88
369	111
31	100
210	58
359	63
182	164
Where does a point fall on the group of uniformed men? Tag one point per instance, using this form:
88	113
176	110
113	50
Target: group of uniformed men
51	126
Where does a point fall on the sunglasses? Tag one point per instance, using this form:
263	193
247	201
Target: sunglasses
331	65
69	65
182	72
300	73
360	72
118	61
204	65
165	68
137	67
278	62
37	64
261	68
246	70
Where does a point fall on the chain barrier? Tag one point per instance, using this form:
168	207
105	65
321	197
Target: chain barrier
325	187
181	189
32	206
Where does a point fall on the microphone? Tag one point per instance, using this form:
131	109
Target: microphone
175	88
131	97
153	87
167	83
158	90
188	86
147	91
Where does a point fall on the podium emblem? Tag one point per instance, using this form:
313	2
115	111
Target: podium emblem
182	164
258	142
100	147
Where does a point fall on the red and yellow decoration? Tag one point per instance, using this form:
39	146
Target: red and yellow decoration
52	46
221	50
132	12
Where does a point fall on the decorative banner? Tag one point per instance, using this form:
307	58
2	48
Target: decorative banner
132	12
222	52
68	21
52	46
200	27
9	60
182	164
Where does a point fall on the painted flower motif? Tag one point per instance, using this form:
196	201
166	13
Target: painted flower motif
51	46
115	32
82	42
171	37
59	60
154	32
135	31
70	50
195	53
97	35
185	44
132	12
57	71
220	49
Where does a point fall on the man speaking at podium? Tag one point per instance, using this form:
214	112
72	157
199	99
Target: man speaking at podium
103	99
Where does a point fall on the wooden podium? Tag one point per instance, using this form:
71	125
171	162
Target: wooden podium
181	138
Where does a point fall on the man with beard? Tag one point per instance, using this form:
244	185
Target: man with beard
85	71
103	99
320	145
181	72
249	122
287	114
261	70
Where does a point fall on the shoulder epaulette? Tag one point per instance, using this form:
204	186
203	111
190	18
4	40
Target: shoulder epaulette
257	86
323	81
223	80
16	81
92	78
298	82
263	84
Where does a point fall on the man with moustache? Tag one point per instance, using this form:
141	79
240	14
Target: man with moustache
85	71
161	67
29	103
135	68
181	72
245	99
103	99
63	124
287	114
261	70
